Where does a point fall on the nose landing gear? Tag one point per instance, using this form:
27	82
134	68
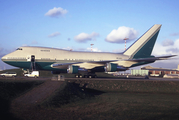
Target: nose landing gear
33	62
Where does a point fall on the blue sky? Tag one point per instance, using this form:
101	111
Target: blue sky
76	24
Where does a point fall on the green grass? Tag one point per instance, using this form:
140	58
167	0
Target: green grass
89	99
10	89
125	106
119	100
124	85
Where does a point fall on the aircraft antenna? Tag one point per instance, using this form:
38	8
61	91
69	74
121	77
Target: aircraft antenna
92	47
125	42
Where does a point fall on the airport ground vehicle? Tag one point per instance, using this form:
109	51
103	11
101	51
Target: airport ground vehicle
8	74
32	74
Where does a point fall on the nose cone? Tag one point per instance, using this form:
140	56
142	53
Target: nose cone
4	58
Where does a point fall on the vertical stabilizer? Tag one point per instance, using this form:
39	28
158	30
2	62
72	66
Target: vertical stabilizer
143	47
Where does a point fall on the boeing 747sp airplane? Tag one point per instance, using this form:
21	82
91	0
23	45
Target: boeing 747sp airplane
65	61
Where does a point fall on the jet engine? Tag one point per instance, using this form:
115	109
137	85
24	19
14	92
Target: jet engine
72	69
111	67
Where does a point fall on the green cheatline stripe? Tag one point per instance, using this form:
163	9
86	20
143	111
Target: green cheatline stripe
27	65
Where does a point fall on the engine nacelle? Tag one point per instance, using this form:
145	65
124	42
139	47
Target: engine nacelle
121	68
72	69
110	67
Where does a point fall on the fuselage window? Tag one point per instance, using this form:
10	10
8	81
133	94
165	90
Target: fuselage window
19	48
45	58
45	50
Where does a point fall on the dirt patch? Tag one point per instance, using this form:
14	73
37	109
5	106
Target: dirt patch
35	96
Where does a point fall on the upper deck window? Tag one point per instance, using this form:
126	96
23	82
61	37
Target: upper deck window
19	49
45	50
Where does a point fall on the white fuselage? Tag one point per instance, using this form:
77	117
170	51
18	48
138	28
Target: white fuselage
53	55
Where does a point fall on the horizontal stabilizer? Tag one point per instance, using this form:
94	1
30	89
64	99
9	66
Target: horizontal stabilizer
151	58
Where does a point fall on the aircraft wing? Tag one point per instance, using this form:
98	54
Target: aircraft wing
56	65
92	64
86	65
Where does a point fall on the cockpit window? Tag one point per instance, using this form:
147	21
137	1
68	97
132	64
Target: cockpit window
19	49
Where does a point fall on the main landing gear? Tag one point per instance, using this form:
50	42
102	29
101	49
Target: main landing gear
89	75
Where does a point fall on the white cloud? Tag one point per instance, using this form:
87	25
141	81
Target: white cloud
160	50
171	63
120	50
84	37
169	49
55	12
174	34
54	34
82	49
118	36
94	49
167	42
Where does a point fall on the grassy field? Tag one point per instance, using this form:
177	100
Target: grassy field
10	89
114	99
118	100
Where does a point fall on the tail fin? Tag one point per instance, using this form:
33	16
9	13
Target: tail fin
143	47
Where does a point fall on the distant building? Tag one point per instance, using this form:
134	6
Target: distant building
139	72
153	71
